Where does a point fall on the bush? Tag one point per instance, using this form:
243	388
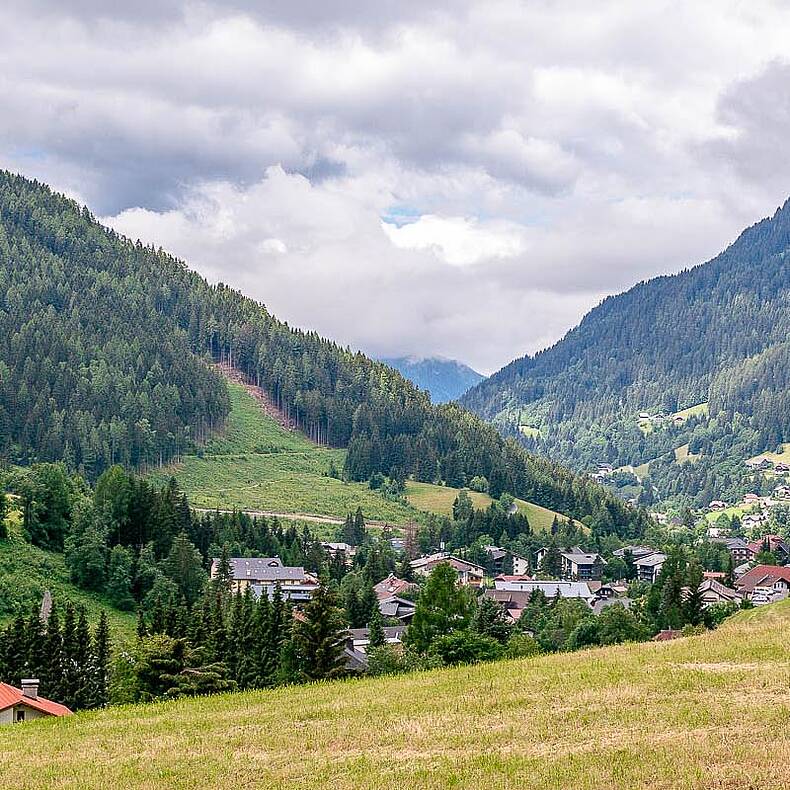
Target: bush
466	647
521	646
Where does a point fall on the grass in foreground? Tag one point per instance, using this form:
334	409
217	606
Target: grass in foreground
440	499
26	571
256	464
704	712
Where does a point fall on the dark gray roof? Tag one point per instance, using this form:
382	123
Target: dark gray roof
390	632
652	560
264	569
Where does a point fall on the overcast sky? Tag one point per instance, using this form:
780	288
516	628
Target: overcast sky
462	179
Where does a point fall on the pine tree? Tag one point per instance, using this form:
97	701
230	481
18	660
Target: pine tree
55	681
223	576
142	629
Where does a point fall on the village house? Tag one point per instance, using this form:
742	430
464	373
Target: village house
469	573
781	467
738	548
764	584
346	549
756	464
717	504
577	565
713	592
500	558
649	566
635	551
397	608
782	492
264	574
19	705
551	589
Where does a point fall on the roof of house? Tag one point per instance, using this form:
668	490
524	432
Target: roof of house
720	589
396	607
549	588
580	558
651	560
455	562
10	696
603	603
390	632
390	586
762	576
636	551
263	569
775	542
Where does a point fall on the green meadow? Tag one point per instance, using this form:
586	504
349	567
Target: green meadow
256	464
708	711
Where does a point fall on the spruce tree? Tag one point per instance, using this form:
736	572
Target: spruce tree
376	630
318	639
101	663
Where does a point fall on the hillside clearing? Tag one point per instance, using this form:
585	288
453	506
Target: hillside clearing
699	410
256	464
783	457
440	499
703	712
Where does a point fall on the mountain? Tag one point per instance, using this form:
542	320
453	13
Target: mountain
703	356
445	379
107	354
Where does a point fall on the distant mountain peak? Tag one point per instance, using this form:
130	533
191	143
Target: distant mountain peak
445	379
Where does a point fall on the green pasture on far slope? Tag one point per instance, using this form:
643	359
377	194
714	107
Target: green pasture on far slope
709	711
440	499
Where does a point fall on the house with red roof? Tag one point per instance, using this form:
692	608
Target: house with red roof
765	583
18	705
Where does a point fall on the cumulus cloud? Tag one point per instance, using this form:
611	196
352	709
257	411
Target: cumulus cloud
460	178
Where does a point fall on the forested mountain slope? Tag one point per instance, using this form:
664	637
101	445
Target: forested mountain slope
104	352
715	334
445	379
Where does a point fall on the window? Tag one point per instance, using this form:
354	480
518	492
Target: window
20	715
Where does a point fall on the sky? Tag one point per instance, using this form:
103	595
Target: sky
459	178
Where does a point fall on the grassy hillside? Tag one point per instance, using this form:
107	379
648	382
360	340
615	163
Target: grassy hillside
703	712
26	571
439	499
256	464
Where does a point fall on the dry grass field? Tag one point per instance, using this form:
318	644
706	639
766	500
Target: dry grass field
703	712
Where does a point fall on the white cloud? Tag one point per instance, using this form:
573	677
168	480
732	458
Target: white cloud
544	154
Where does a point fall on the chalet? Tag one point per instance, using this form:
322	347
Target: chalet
775	544
738	548
391	586
718	504
781	467
756	464
512	601
764	583
714	592
19	705
579	566
750	499
265	574
469	573
649	566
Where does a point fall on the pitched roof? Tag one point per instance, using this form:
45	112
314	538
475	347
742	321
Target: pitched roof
392	585
762	575
580	558
651	560
10	695
264	569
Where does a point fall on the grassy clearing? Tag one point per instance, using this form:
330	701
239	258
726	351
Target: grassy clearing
256	464
530	431
783	457
439	499
735	510
700	410
26	571
704	712
682	454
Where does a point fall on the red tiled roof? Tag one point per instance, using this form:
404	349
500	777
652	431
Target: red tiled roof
9	695
753	577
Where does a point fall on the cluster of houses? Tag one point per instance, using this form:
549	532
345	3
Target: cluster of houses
762	464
